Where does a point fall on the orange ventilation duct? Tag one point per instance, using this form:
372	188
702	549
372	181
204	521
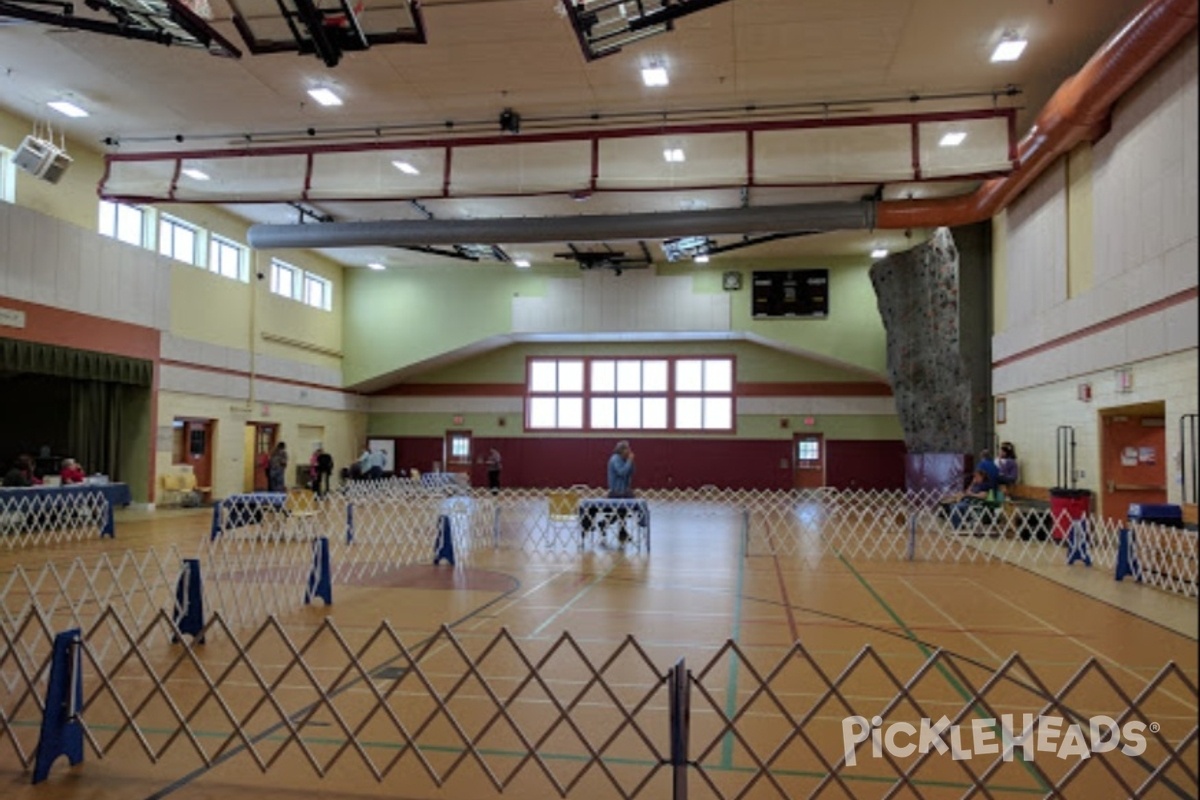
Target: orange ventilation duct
1076	112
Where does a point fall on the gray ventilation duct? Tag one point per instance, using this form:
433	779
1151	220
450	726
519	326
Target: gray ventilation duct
583	228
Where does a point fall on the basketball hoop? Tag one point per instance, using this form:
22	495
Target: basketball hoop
340	20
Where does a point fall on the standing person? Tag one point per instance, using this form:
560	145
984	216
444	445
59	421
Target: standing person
277	468
1007	464
324	472
493	469
620	482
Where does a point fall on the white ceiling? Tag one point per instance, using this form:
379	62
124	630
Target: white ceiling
861	57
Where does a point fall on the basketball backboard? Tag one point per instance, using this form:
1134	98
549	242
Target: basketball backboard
326	28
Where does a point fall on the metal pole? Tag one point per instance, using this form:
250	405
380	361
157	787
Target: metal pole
679	715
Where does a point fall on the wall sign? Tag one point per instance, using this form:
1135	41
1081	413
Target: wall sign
12	318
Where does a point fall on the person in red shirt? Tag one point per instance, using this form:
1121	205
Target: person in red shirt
71	471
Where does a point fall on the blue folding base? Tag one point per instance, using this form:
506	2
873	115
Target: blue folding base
62	733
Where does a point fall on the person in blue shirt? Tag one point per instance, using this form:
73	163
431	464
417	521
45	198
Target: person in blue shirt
620	471
987	466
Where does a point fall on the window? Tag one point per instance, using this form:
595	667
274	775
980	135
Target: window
704	394
124	223
227	259
296	284
318	292
630	394
8	177
285	279
808	450
177	239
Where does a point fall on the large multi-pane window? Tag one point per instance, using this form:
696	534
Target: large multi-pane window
293	282
630	394
227	258
177	239
124	223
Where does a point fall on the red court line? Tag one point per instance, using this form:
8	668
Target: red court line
787	603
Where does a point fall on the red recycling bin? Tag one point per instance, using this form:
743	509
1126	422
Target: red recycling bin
1066	506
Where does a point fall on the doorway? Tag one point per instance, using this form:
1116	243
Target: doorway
457	451
1133	441
808	460
257	442
194	446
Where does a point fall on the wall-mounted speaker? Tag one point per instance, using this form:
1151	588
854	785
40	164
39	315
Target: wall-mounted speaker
42	159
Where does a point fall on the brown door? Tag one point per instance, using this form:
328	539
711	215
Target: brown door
1133	458
265	434
197	438
808	460
458	452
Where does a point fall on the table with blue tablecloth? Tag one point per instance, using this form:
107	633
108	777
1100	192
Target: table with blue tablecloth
52	497
631	514
238	510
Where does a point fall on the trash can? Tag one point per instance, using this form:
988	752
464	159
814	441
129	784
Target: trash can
1166	514
1066	506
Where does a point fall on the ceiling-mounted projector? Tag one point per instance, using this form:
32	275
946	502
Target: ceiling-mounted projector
42	158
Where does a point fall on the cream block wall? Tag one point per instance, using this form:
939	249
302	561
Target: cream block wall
1036	412
344	432
55	263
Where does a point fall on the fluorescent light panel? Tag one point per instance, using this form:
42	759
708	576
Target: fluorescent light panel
67	108
195	174
406	168
952	139
702	258
523	263
375	265
325	97
674	155
1009	49
655	76
878	252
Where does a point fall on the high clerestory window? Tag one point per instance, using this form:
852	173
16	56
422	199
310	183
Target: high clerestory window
630	394
296	284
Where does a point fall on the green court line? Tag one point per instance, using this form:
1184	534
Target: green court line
735	635
572	601
579	758
945	673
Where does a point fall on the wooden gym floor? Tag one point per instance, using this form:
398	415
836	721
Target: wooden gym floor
687	598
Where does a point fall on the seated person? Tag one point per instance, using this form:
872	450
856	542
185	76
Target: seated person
1007	465
71	472
21	473
981	492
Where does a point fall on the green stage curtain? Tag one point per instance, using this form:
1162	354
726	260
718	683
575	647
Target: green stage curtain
97	425
63	362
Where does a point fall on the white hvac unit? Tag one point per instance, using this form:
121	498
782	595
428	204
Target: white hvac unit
42	158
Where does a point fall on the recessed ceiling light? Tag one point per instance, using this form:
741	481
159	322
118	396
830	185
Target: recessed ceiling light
406	168
325	97
195	174
375	265
523	263
952	139
878	252
674	155
67	108
655	76
1009	49
701	258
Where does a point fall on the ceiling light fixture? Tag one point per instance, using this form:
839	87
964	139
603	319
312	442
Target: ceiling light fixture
655	75
375	265
952	139
195	174
879	252
67	108
324	96
523	263
1010	47
406	168
674	155
701	258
